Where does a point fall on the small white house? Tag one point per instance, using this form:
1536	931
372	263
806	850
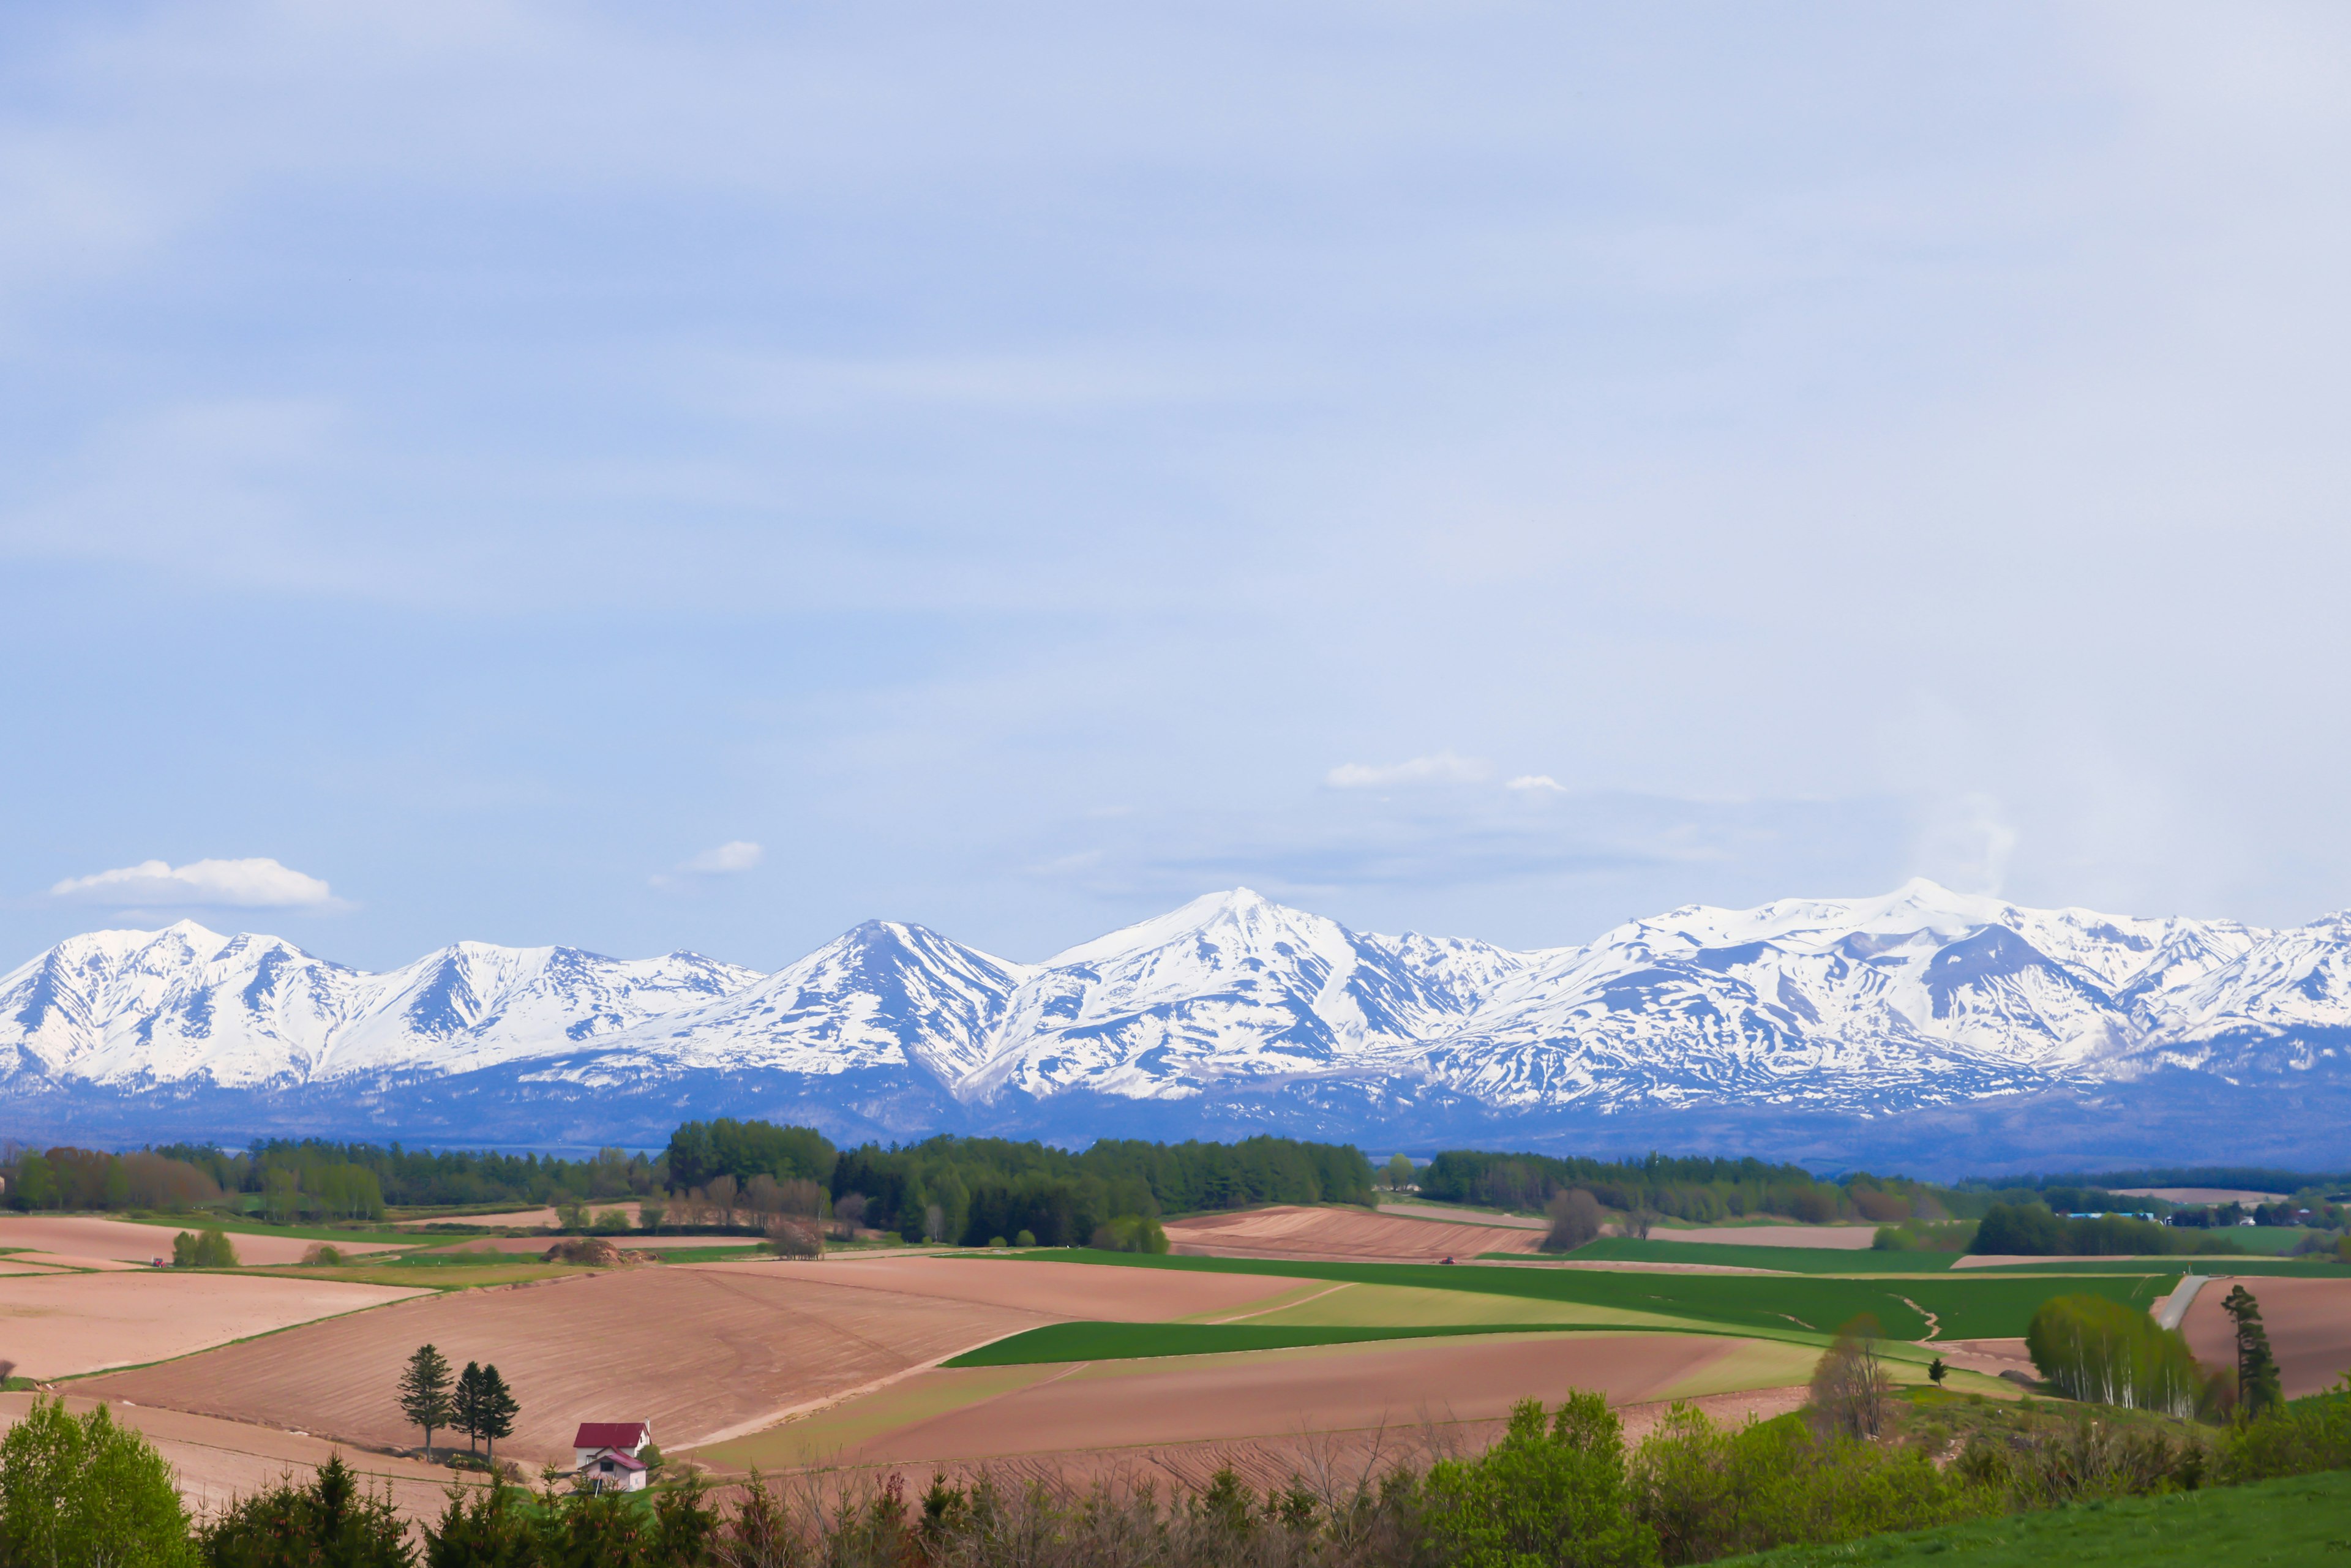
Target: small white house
608	1454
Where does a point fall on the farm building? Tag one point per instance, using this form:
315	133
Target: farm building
607	1455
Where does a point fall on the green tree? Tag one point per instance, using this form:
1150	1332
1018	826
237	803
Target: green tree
1546	1496
36	1181
1399	1171
424	1393
496	1408
466	1405
207	1248
2257	1373
84	1492
330	1523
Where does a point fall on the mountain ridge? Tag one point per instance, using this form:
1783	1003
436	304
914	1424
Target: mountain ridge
1922	1006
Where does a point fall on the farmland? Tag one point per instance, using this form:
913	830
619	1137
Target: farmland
1289	1231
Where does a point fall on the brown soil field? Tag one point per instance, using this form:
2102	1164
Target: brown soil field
984	1413
1087	1291
1463	1216
692	1349
630	1239
53	1262
1836	1238
65	1324
520	1218
2309	1323
217	1461
1340	1233
82	1236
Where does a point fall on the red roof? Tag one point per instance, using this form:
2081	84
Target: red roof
610	1435
615	1456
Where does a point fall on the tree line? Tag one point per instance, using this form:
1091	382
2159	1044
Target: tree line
1701	1189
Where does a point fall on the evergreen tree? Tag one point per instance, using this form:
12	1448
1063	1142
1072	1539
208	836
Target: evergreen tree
424	1393
465	1409
496	1409
2257	1373
330	1523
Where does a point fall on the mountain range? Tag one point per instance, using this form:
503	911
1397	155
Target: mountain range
1941	1030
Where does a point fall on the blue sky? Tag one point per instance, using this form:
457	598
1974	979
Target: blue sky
1488	470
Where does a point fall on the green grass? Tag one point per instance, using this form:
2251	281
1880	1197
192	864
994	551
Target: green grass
1130	1342
1739	1255
715	1254
2305	1520
236	1225
1993	1307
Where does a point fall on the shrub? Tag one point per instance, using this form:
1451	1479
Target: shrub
1546	1494
1026	1239
1709	1492
2092	1348
2293	1439
795	1236
1130	1233
2093	1458
318	1254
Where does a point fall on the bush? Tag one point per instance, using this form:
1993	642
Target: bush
84	1490
1130	1233
2095	1349
1546	1494
795	1236
1026	1239
320	1255
1575	1220
2095	1459
202	1249
2293	1439
1709	1492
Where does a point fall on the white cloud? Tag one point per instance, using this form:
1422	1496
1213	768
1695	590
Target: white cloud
1537	781
1444	767
730	859
737	855
258	883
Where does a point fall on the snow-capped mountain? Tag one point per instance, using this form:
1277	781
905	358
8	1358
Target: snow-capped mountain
1231	1012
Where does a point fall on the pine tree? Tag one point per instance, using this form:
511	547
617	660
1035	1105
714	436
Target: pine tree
424	1393
2257	1373
466	1408
498	1407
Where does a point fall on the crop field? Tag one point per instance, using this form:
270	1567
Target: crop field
1780	1260
132	1241
695	1349
62	1324
1341	1233
1779	1237
981	1414
1985	1307
1130	1342
2301	1523
691	1351
2309	1323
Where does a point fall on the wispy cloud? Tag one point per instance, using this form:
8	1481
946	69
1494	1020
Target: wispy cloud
1537	781
730	859
1443	768
257	883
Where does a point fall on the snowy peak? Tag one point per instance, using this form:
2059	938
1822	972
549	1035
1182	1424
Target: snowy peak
1921	997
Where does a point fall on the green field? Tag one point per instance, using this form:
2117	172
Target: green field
1991	1307
2304	1521
1739	1255
1128	1341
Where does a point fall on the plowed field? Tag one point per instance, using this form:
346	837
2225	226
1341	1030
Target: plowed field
57	1325
695	1349
994	1413
1342	1234
123	1242
2309	1322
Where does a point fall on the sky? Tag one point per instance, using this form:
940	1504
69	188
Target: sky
704	476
